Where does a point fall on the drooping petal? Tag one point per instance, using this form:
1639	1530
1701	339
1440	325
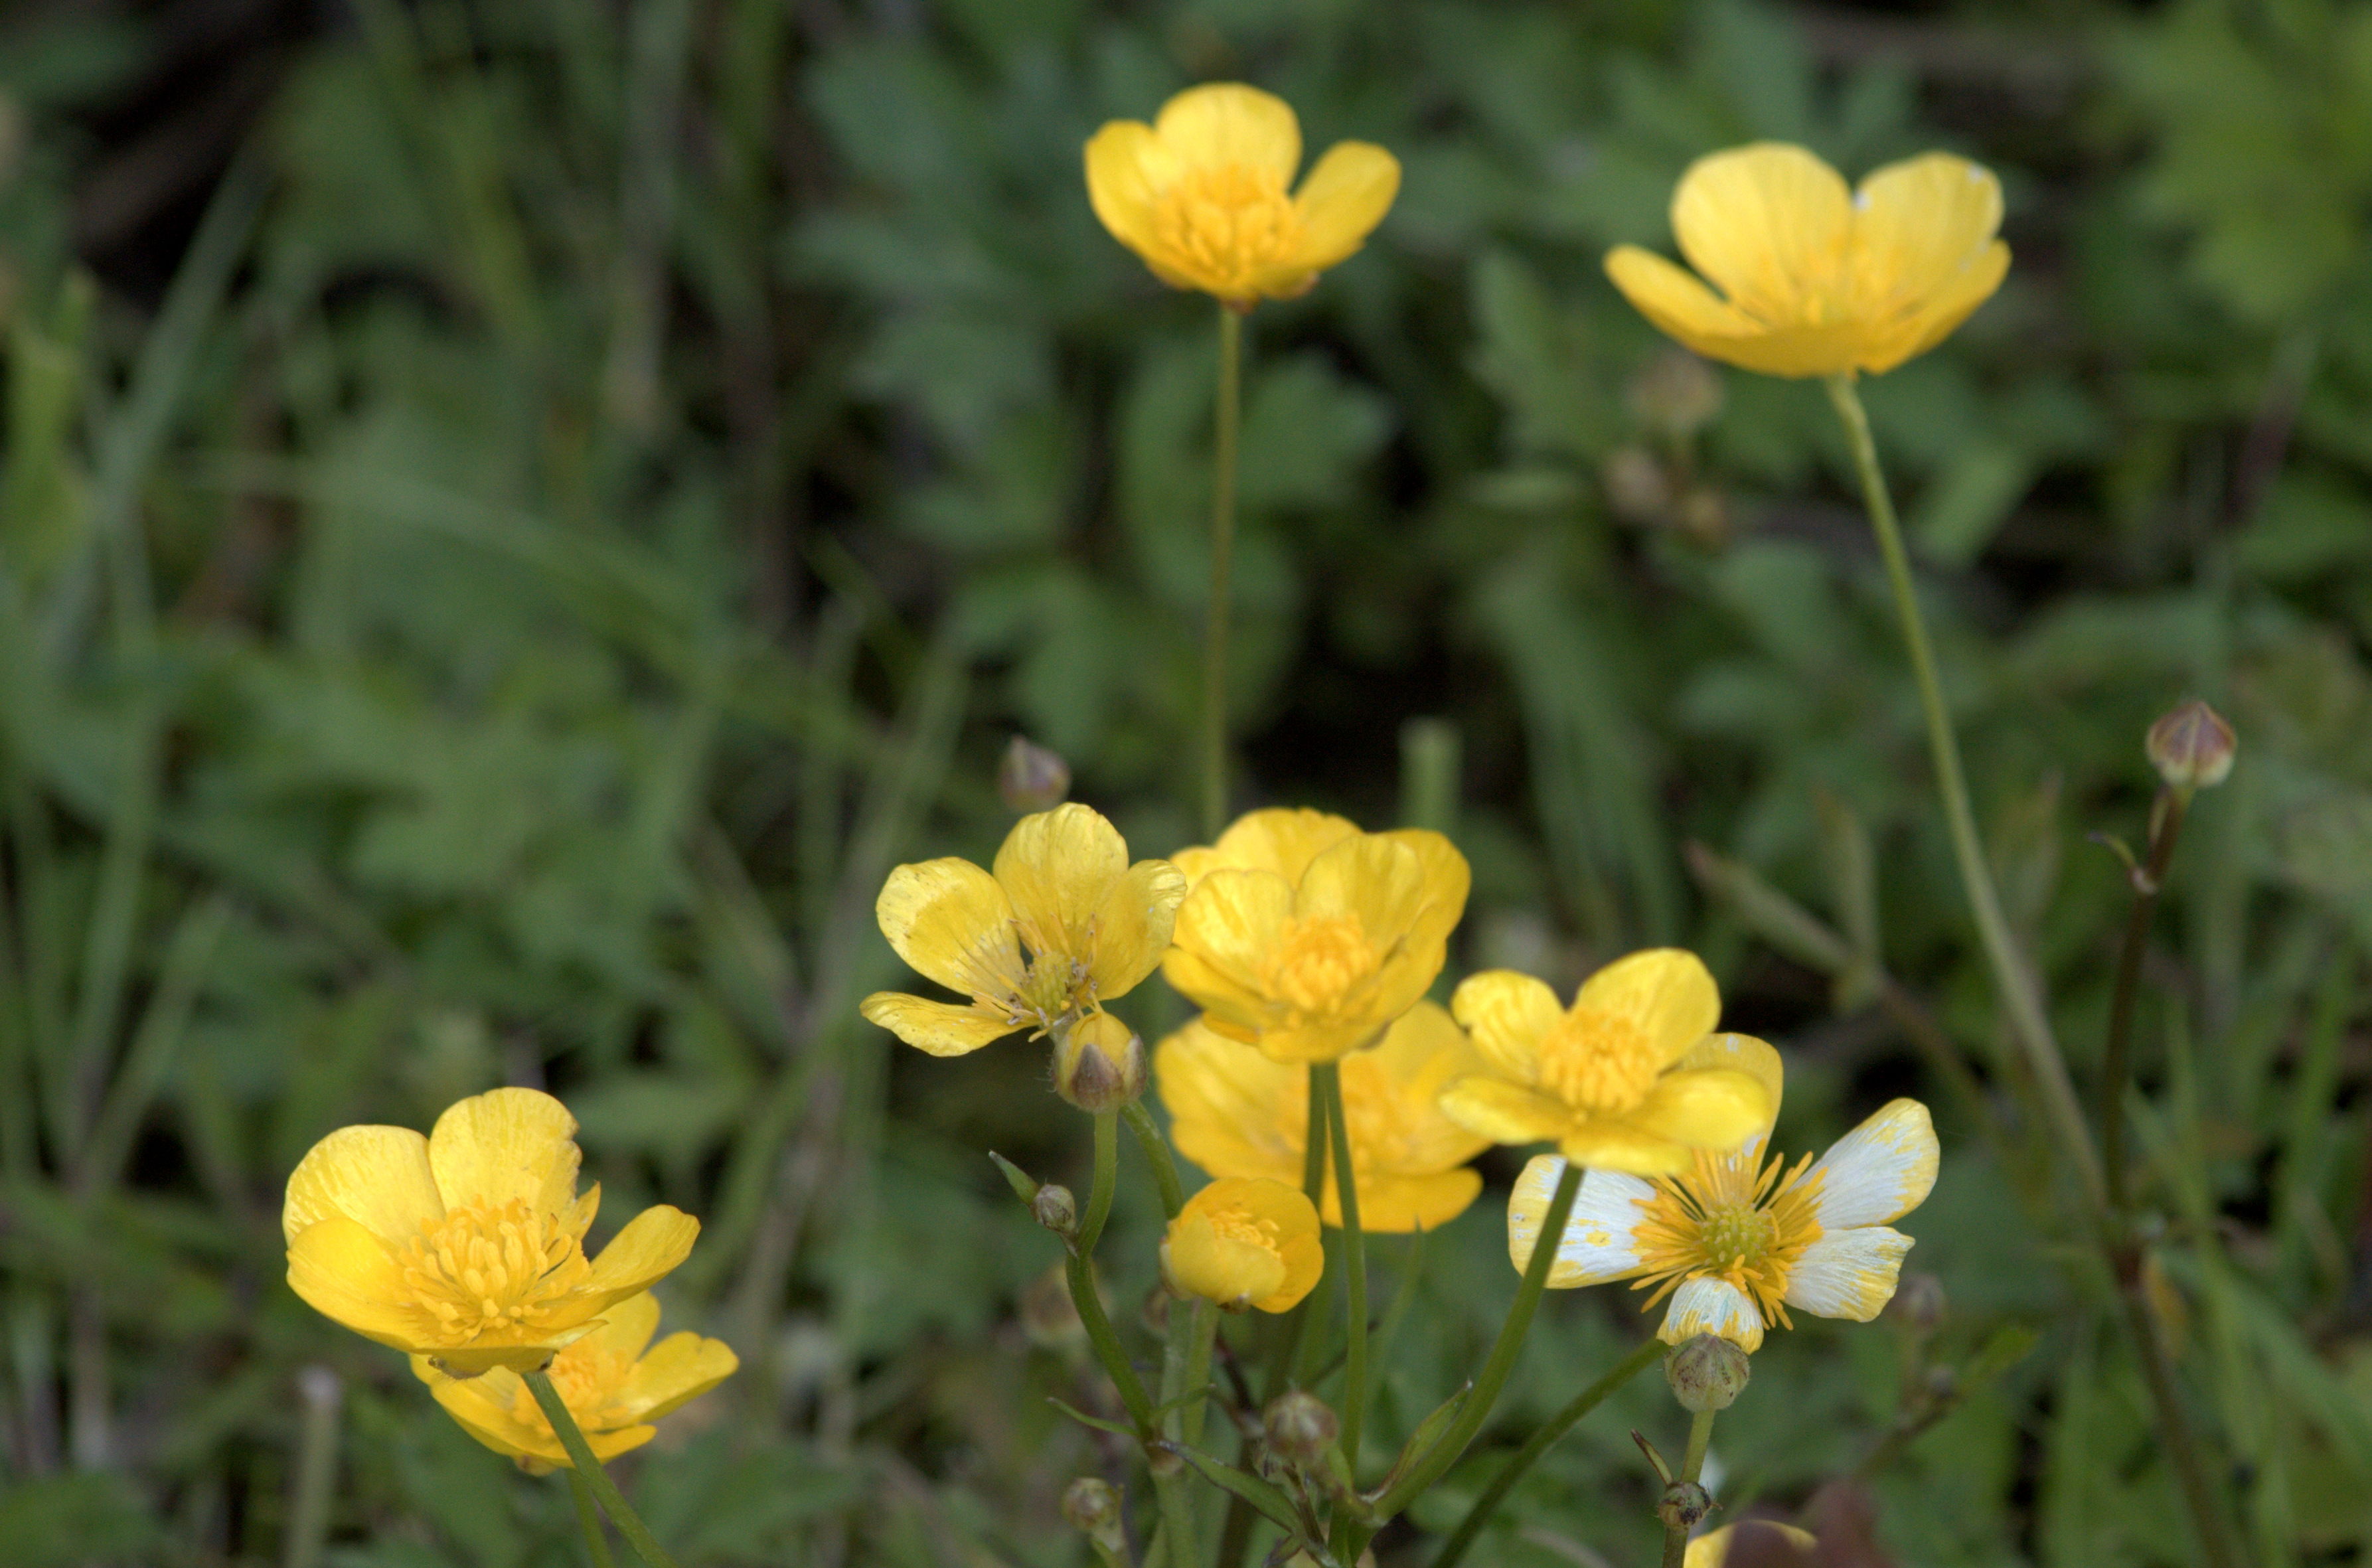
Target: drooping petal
379	1177
346	1274
1848	1273
942	1029
1918	226
1741	1053
638	1257
1678	302
1280	839
1667	994
1710	1108
1596	1246
1505	1112
1132	926
1768	225
1057	867
503	1145
1229	922
951	921
1507	1014
1346	195
674	1372
1126	170
1226	122
1707	1305
1878	1172
1397	1204
1604	1145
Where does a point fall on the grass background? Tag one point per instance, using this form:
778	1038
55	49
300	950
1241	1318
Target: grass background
513	518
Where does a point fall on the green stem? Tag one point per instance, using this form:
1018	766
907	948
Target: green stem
1502	1362
317	1467
580	1453
1676	1536
2115	1059
1079	1270
1557	1425
1223	550
1185	1366
1099	1196
1156	1155
2020	992
1326	1079
588	1519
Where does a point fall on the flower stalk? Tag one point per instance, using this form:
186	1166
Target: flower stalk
1326	1079
588	1520
1227	416
1676	1534
588	1469
2149	881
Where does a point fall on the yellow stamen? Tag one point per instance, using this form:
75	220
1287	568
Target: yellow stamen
1226	225
1722	1219
1600	1062
483	1270
1322	961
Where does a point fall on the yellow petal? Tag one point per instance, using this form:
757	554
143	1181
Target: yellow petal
1232	1003
348	1275
1423	1054
379	1177
1395	1205
1134	926
1708	1304
1057	867
1618	1145
520	1353
1918	226
1848	1273
1346	195
1767	224
1279	839
1126	169
1371	876
507	1145
1676	300
942	1029
1223	122
482	1407
1599	1241
952	923
1232	1110
1229	923
1505	1112
1879	1171
1713	1107
638	1257
1741	1053
678	1370
1508	1013
1712	1550
1952	305
1448	879
626	1327
1665	993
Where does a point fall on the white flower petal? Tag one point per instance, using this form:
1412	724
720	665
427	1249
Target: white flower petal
1708	1304
1879	1171
1848	1273
1597	1245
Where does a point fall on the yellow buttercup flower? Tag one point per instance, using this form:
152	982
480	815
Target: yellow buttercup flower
1712	1549
610	1382
1235	1113
1063	926
1201	194
1306	936
1736	1239
1816	281
1609	1078
467	1246
1244	1242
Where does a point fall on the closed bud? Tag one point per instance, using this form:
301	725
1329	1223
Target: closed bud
1049	1320
1636	487
1299	1428
1057	1209
2192	747
1684	1505
1032	778
1099	1064
1707	1373
1918	1304
1676	395
1092	1507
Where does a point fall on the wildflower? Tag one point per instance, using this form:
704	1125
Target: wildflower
1736	1240
1235	1113
1099	1064
1065	924
1609	1079
1818	282
1243	1242
2192	747
1306	936
467	1246
1200	194
612	1385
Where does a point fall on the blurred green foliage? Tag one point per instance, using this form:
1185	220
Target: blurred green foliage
601	487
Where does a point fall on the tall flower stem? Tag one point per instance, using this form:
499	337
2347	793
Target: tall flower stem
2023	997
1326	1079
1556	1426
588	1519
1079	1270
2165	823
1228	418
580	1453
2020	992
1185	1366
1676	1536
1156	1155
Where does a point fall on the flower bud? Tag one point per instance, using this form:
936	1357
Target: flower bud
1057	1209
2191	748
1099	1064
1675	394
1049	1320
1242	1242
1032	778
1684	1504
1092	1506
1918	1304
1299	1428
1707	1373
1637	490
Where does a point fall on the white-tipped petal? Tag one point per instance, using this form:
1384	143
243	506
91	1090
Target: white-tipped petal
1879	1171
1707	1305
1597	1245
1848	1273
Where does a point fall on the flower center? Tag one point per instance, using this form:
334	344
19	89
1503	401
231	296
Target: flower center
1226	226
1236	1225
1732	1217
588	1381
1318	961
1602	1063
486	1270
1737	1236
